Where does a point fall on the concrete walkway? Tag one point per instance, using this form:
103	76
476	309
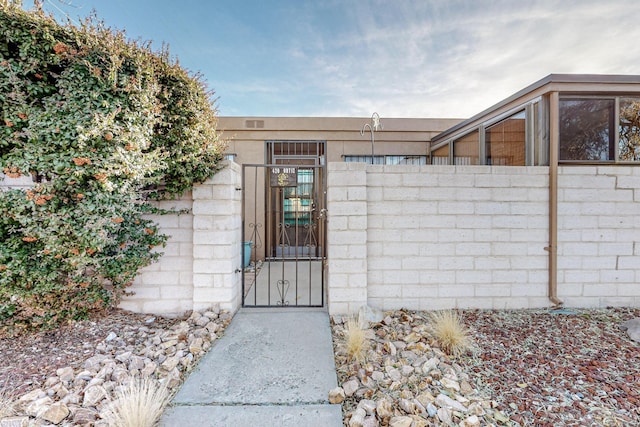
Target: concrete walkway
271	367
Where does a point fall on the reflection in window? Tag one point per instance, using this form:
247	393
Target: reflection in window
298	201
388	160
586	129
440	156
505	141
465	150
629	130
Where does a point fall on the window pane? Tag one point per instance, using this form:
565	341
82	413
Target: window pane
586	127
440	156
505	141
465	150
629	131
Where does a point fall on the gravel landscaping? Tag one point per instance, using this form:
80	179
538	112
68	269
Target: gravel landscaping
527	367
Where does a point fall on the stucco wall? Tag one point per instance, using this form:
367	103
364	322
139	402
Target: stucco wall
431	237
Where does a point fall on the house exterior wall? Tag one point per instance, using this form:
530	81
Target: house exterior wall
432	237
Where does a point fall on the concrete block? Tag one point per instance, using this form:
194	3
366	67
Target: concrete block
617	276
456	290
144	292
509	276
492	290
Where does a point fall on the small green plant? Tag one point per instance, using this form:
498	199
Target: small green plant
356	343
448	329
140	404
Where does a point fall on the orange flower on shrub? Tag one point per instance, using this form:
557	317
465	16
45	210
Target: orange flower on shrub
108	136
29	239
80	196
8	123
22	116
12	172
128	147
79	161
117	220
60	48
91	251
40	201
100	177
3	267
149	231
46	251
38	76
75	251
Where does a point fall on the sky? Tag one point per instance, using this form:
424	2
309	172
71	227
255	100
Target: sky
399	58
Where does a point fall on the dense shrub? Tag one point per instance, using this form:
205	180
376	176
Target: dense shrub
103	125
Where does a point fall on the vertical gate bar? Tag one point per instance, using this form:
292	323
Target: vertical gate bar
255	221
242	229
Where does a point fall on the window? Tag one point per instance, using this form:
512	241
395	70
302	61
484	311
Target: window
388	160
586	129
465	150
505	141
629	130
298	201
440	156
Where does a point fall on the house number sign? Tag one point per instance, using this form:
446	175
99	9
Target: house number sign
284	177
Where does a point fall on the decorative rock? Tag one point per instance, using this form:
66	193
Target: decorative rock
377	376
83	416
444	414
450	384
465	387
38	406
369	406
112	336
370	421
93	395
472	421
32	395
408	406
56	413
430	365
632	327
432	410
445	401
357	418
65	374
336	395
350	387
402	421
170	363
393	373
384	409
14	422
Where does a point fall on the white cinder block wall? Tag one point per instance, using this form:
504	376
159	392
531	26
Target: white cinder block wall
167	285
475	236
199	268
599	236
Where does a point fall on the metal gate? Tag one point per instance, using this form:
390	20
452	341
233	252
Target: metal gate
284	229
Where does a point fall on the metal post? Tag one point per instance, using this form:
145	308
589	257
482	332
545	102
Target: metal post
373	126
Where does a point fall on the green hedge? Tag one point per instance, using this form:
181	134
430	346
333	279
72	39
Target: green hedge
103	125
